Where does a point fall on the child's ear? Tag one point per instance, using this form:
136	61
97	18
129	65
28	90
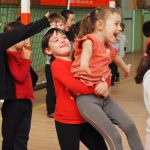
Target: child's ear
100	24
47	51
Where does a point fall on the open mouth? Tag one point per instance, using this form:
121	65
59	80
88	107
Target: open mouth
64	45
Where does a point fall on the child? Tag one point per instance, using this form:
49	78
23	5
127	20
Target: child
93	54
15	82
143	76
70	126
120	46
56	21
7	85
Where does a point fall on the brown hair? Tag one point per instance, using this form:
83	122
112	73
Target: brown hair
54	17
144	66
11	26
88	23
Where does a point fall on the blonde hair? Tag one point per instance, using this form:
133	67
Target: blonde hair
88	23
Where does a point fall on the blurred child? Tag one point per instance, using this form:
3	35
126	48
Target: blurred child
120	45
93	54
56	21
15	82
70	126
143	76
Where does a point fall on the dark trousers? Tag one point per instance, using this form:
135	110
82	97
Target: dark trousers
70	135
16	122
50	95
114	71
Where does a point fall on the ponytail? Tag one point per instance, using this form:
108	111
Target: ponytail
85	27
144	66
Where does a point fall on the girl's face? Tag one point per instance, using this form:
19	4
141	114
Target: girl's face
59	45
112	28
70	21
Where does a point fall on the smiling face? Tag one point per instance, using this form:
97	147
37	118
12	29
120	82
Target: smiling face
112	28
58	45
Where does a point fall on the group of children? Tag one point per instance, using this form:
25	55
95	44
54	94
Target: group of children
84	110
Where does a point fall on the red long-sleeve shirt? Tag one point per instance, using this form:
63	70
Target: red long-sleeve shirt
20	70
66	110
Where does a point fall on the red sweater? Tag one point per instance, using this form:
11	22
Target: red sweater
20	70
66	110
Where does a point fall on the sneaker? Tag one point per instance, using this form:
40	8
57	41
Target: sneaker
50	115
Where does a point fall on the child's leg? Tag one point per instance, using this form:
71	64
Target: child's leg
119	117
90	108
15	135
23	125
68	135
91	138
50	95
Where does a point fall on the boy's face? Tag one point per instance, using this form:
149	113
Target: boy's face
59	45
60	25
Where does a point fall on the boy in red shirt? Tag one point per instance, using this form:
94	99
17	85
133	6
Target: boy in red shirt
15	82
68	120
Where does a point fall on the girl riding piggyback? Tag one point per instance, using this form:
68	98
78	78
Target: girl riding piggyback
93	54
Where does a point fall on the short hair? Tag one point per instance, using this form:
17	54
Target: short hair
54	17
12	25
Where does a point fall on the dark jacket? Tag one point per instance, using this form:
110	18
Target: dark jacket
7	84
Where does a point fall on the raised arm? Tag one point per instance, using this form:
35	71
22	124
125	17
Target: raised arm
23	32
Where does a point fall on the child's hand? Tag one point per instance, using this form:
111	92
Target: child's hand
127	71
101	89
47	14
27	53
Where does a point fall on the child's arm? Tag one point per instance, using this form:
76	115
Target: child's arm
85	57
23	32
64	76
120	62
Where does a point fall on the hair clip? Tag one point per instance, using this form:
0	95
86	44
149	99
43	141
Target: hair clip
88	14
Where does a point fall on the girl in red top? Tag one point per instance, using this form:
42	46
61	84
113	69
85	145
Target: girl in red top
93	54
70	126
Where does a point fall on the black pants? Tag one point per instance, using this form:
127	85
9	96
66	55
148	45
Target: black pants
16	115
70	135
50	95
114	71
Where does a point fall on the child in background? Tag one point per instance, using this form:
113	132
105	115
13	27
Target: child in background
17	112
15	82
68	120
56	21
93	54
120	46
143	76
70	21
